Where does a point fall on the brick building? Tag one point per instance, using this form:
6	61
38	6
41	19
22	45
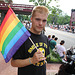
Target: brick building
72	19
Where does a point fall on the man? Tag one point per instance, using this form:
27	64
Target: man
61	50
53	43
49	37
53	36
29	60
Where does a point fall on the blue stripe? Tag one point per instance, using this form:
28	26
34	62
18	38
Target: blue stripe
14	40
13	50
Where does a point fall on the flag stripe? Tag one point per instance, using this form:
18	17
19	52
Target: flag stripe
11	35
15	47
9	21
5	19
13	41
9	29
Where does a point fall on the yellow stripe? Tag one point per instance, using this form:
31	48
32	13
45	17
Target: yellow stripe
8	22
9	29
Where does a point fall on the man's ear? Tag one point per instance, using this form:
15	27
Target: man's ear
31	19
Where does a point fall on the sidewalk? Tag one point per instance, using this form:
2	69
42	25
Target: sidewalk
52	68
7	69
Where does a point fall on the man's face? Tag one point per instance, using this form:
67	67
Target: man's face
38	22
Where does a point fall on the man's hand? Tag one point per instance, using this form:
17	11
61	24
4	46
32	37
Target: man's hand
38	56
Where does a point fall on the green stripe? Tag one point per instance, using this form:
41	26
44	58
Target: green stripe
11	35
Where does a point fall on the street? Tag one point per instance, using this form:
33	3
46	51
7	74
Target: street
62	35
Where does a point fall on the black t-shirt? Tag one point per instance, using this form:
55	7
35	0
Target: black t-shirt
28	49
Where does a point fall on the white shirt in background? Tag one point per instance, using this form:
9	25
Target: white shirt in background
60	49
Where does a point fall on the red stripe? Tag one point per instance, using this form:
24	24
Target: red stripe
6	18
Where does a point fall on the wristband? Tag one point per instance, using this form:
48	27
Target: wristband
30	60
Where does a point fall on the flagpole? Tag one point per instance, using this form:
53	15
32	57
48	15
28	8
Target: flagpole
32	42
8	6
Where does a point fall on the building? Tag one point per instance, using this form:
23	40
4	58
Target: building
17	8
72	19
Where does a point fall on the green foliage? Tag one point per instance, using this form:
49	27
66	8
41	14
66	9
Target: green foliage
8	1
40	2
56	17
53	16
24	17
31	0
53	57
63	20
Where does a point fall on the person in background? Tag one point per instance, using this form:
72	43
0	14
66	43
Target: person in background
61	49
49	37
53	36
28	25
28	59
24	23
43	31
53	43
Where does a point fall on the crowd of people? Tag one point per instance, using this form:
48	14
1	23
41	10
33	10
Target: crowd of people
27	24
59	48
63	28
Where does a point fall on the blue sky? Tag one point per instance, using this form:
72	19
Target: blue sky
65	5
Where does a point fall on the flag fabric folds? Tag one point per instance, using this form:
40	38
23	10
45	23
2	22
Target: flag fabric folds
12	35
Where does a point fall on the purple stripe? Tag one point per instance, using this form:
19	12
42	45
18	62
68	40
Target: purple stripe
17	45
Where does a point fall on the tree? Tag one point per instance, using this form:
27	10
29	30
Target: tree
63	19
9	1
41	2
53	16
24	17
38	2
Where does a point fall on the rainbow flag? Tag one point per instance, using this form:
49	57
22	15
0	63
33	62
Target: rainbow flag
12	35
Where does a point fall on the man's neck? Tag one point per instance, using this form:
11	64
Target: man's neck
35	32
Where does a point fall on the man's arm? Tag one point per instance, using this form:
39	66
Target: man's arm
20	62
38	56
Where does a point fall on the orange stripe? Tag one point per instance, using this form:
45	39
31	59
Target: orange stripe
9	29
8	22
6	18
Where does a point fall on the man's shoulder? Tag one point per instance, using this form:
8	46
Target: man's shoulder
63	48
52	40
